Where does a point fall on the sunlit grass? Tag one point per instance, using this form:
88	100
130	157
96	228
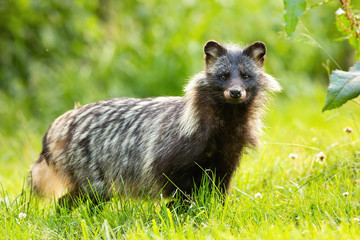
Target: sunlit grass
281	190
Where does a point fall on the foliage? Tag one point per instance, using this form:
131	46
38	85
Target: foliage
343	87
55	53
42	32
348	23
293	11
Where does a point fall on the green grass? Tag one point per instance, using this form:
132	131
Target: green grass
301	197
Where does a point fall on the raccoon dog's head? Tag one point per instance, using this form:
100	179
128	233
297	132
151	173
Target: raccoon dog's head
236	75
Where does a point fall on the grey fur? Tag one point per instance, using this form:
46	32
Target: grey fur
130	144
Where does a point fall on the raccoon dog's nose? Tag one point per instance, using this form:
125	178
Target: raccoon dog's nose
235	93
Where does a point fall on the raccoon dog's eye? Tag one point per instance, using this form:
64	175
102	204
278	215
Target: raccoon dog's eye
245	76
223	77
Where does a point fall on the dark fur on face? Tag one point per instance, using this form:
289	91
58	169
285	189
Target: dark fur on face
147	145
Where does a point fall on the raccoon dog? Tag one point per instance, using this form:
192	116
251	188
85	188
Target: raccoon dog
134	146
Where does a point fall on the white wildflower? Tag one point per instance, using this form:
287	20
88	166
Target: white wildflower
22	215
348	130
340	11
320	157
356	219
345	194
293	156
258	195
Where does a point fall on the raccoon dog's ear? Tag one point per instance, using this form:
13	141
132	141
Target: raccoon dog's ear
213	50
256	51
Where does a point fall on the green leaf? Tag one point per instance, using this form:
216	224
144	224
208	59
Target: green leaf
293	11
355	68
343	87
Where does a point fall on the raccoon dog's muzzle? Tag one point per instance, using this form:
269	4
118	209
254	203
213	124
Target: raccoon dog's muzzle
235	95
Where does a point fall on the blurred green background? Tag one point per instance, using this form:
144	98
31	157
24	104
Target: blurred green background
55	53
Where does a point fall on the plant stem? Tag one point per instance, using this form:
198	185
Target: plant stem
354	24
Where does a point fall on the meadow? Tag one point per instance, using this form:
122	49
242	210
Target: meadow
284	189
303	182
